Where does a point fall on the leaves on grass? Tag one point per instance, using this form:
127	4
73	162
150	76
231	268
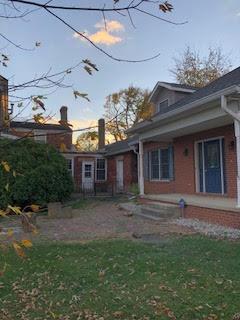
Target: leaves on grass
26	243
19	250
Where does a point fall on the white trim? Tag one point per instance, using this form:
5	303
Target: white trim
91	162
158	106
105	160
144	125
72	160
197	172
169	87
42	134
150	166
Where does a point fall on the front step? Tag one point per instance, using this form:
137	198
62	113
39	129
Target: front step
161	210
153	210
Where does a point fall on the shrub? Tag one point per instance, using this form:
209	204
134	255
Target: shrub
134	189
38	174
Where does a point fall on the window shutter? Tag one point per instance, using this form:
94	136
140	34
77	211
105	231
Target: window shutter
171	163
146	165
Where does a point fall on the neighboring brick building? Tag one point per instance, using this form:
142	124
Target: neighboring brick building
190	149
102	170
122	164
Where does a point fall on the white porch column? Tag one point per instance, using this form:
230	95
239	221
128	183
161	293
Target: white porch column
140	167
237	135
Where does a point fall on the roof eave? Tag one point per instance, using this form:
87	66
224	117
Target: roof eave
171	114
169	87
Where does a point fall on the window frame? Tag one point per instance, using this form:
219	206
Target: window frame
159	104
159	165
72	166
40	134
97	169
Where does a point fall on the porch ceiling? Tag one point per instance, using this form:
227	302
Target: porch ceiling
211	202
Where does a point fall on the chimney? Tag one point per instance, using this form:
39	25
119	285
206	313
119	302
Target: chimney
63	112
4	116
101	134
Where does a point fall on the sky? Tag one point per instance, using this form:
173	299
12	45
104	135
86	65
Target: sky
209	23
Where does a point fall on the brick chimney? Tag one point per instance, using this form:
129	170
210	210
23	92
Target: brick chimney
4	116
63	113
101	134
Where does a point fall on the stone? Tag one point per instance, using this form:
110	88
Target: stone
54	209
57	211
127	213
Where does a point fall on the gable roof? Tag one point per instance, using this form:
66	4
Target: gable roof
121	146
38	126
180	86
171	86
227	81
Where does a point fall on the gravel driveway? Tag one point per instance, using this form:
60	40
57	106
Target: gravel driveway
98	220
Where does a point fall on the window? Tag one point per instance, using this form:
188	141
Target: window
160	164
88	171
162	107
101	170
40	136
70	166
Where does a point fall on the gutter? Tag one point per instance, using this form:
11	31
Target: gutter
145	124
234	115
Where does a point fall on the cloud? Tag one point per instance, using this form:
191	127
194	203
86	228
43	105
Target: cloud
238	14
106	34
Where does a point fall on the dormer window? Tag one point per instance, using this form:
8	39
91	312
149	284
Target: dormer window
162	106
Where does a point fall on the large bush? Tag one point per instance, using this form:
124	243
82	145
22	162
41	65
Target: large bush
38	174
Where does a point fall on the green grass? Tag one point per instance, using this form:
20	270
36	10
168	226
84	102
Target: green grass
81	204
192	277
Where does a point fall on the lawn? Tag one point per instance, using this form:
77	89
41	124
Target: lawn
186	278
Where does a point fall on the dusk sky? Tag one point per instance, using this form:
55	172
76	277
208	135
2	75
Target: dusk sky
210	23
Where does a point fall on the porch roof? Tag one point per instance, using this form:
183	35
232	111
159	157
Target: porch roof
210	202
201	99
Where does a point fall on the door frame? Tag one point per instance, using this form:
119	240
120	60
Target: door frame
121	188
196	161
91	162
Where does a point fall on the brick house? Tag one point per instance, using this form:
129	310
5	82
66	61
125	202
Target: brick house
190	149
111	168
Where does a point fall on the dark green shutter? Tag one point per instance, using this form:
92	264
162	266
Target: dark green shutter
146	165
171	163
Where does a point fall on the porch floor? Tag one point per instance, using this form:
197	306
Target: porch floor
212	202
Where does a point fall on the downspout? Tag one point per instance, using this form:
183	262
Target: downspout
236	117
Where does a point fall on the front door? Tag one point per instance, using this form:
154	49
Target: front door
88	176
211	166
120	185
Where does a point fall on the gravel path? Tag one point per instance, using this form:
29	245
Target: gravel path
100	220
209	229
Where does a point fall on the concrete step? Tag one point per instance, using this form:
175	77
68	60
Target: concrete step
161	210
150	217
155	210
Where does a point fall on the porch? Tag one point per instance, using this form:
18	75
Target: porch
201	201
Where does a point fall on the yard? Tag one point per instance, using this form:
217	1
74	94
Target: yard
180	277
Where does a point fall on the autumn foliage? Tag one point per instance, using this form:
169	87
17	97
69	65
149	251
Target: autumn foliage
30	173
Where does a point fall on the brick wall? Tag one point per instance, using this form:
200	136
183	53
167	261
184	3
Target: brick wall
54	139
57	139
225	218
130	171
184	165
